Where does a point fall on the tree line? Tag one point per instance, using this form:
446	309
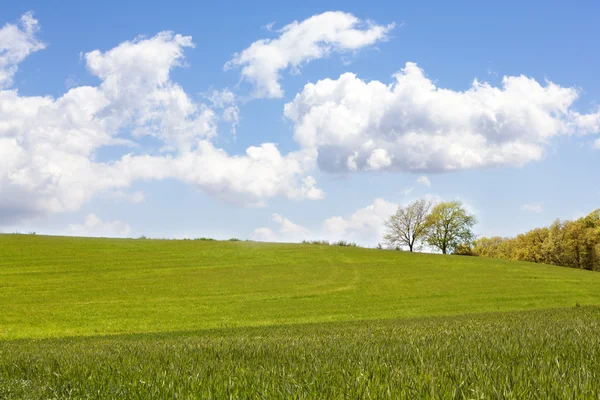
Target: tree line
447	227
574	244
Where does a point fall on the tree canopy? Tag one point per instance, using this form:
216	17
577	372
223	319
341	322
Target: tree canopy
573	244
449	226
408	226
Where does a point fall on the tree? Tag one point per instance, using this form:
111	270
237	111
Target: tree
529	246
408	225
449	226
574	244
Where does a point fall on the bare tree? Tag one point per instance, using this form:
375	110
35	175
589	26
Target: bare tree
408	225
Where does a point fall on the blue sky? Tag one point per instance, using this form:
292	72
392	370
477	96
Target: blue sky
518	151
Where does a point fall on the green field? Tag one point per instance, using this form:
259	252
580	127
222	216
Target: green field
113	318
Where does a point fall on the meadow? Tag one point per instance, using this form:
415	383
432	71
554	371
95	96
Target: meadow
132	318
549	354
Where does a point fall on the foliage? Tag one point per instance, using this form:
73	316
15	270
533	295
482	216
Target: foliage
550	354
449	226
344	243
573	244
62	286
317	242
408	225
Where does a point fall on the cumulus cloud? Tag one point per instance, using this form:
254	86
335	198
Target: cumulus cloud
133	197
94	226
226	100
264	235
48	145
413	125
301	42
533	207
17	41
423	180
365	225
287	231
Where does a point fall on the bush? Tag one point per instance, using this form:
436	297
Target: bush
319	242
464	249
345	243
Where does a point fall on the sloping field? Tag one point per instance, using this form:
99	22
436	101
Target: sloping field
59	286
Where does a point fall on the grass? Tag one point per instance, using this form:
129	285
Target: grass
114	318
58	286
551	354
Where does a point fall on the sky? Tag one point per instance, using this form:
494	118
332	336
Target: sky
282	122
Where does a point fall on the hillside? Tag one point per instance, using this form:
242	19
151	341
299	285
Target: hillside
60	286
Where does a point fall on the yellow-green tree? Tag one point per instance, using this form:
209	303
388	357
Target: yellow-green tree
574	244
450	226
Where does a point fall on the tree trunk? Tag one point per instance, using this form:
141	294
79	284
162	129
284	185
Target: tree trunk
410	247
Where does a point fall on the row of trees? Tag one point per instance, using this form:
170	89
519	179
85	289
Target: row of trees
573	244
446	226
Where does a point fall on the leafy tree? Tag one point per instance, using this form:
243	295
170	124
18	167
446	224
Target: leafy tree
574	244
408	225
529	246
490	247
449	226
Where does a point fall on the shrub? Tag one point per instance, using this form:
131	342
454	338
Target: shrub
344	243
319	242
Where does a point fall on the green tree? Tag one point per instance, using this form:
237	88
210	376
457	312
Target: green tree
529	246
449	226
493	247
574	244
408	225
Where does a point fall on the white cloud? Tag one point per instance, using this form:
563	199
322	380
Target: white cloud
94	226
533	207
264	235
134	198
597	144
379	159
17	41
413	125
269	26
262	173
287	226
365	225
408	191
287	231
301	42
423	180
48	145
226	100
